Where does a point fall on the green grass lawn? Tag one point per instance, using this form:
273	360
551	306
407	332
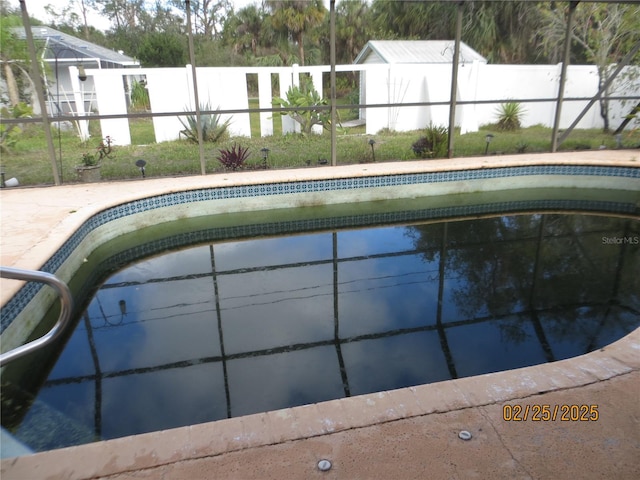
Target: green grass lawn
29	161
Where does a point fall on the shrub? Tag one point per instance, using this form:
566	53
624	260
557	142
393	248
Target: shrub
304	96
509	116
9	134
104	150
521	147
212	128
433	144
233	158
139	96
89	159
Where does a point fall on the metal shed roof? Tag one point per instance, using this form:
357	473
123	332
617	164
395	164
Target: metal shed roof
68	46
415	51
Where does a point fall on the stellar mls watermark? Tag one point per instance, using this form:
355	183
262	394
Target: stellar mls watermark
630	240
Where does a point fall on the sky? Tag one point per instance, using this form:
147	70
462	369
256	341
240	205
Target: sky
36	10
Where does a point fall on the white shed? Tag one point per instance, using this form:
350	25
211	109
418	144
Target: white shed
413	71
415	51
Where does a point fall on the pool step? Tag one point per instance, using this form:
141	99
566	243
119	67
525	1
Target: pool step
40	428
11	446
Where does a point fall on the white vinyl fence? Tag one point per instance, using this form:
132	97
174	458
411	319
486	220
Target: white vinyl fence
171	91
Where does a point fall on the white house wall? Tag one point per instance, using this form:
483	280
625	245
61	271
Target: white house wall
78	97
377	92
419	84
468	90
438	79
404	87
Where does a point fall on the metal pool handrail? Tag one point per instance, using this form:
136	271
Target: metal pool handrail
66	300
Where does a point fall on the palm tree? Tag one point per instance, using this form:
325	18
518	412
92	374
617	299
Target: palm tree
245	29
412	20
352	30
504	32
501	31
298	17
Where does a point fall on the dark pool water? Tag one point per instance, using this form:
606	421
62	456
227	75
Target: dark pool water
225	329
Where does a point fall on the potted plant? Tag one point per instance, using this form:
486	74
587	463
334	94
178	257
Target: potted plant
89	171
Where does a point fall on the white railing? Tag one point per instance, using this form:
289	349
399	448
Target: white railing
66	306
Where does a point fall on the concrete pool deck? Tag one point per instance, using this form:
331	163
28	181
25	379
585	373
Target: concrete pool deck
407	433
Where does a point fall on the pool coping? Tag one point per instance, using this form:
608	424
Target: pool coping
146	451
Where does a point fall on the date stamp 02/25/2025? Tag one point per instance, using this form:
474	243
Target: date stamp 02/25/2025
550	413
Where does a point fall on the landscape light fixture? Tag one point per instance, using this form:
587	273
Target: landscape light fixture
265	155
141	164
372	142
488	139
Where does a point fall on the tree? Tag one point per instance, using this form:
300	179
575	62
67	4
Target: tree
602	33
69	17
163	19
412	20
298	17
243	30
352	29
14	58
504	32
162	50
501	31
276	48
207	15
122	13
84	7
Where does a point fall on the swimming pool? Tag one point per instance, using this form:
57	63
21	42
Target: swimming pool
197	328
572	176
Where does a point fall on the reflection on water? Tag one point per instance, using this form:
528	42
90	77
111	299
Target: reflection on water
230	329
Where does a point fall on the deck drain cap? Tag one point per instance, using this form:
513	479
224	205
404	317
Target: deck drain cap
464	435
324	465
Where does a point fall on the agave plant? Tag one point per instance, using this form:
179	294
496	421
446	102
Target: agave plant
510	116
212	127
233	158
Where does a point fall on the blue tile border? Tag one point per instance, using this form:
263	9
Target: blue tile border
9	311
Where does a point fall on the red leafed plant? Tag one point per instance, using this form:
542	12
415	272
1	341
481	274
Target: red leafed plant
233	158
